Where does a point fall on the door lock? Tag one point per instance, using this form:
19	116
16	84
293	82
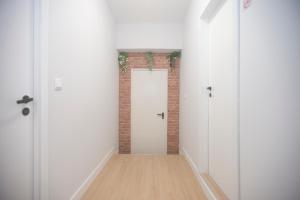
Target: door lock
25	111
209	88
25	99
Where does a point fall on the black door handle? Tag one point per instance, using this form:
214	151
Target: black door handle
25	99
161	114
209	88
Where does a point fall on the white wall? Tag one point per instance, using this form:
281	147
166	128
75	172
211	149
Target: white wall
193	83
149	36
269	97
83	116
270	100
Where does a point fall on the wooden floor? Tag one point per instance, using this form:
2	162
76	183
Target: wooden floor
146	177
215	189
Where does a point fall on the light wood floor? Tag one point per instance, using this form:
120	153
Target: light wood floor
215	189
145	177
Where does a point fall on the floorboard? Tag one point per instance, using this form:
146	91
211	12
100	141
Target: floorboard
145	177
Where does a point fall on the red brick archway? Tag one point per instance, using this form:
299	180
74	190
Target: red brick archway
137	60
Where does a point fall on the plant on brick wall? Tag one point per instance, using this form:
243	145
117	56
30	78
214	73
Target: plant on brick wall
173	57
149	59
123	61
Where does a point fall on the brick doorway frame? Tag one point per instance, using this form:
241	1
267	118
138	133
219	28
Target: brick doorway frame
138	60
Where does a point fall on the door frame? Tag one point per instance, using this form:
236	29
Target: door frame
131	115
208	13
40	94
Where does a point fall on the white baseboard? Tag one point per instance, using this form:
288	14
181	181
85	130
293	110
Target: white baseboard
209	194
85	185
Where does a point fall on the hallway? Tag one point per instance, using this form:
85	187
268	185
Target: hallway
146	177
149	100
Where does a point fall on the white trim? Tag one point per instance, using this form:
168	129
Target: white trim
209	141
236	10
211	9
40	134
36	152
208	192
85	185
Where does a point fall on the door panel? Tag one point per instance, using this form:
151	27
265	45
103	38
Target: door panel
149	93
16	75
222	138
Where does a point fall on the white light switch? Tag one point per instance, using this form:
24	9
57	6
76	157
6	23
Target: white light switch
58	84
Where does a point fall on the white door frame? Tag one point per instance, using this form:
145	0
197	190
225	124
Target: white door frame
131	117
209	12
40	90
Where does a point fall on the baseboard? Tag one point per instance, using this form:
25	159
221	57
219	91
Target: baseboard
208	192
85	185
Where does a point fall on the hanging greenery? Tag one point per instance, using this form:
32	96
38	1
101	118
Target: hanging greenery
172	57
150	61
123	61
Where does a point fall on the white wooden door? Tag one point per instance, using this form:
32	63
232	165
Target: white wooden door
222	132
149	93
16	80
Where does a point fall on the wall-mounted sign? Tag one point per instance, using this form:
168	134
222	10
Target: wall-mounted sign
247	3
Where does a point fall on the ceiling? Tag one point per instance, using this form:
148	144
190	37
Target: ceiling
148	11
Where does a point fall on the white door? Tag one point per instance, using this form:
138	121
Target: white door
149	108
222	134
16	75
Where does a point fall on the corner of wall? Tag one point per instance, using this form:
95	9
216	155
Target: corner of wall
208	192
93	175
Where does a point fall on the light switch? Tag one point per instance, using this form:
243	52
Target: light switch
58	84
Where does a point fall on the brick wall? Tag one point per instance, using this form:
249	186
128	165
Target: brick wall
137	60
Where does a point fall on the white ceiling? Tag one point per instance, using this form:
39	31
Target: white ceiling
148	11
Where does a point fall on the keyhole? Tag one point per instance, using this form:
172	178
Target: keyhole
25	111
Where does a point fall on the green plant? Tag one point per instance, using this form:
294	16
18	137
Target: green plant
172	57
123	61
150	61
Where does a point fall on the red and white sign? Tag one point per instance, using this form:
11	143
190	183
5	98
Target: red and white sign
247	3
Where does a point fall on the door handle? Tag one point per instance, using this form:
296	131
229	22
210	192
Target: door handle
209	88
25	99
162	115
